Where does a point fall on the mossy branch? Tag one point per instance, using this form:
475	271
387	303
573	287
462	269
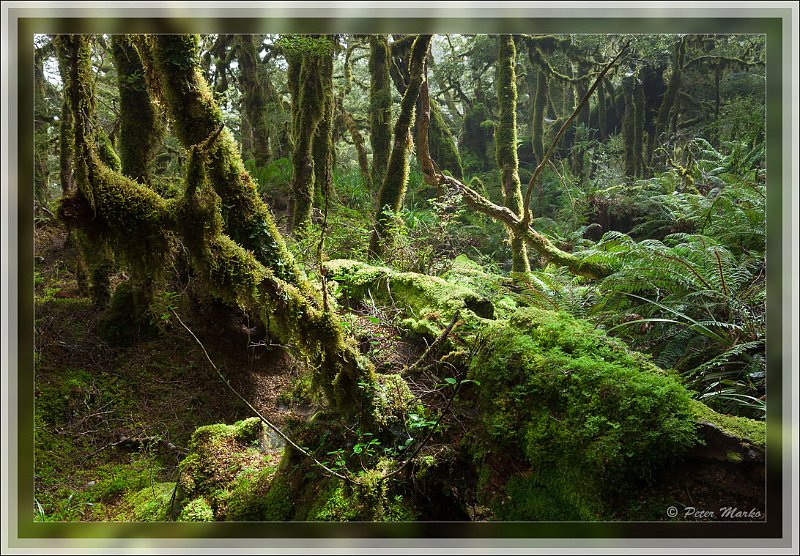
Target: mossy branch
526	219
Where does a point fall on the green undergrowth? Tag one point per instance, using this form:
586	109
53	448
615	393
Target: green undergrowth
739	427
227	473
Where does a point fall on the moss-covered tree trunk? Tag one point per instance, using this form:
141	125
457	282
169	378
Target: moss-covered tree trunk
602	113
506	144
196	116
380	105
350	124
322	149
254	101
442	143
41	173
670	97
393	187
640	104
137	222
139	134
628	126
95	258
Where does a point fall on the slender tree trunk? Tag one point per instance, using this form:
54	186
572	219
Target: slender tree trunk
380	106
393	188
506	144
640	104
670	97
628	127
358	142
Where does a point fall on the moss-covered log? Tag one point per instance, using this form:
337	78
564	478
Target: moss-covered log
254	100
380	106
196	116
393	187
604	421
506	144
140	128
429	302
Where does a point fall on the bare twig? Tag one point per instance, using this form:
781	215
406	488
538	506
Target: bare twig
526	219
266	421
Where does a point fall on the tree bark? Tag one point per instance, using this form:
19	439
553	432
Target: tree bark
506	145
380	106
393	188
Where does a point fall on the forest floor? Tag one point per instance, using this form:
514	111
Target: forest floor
110	419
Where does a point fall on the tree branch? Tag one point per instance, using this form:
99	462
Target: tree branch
526	219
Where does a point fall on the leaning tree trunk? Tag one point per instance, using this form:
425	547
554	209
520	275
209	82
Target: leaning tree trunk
137	222
506	145
393	188
380	106
349	123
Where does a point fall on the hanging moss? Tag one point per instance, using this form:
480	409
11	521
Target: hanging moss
380	105
506	143
254	99
393	187
670	96
196	116
140	128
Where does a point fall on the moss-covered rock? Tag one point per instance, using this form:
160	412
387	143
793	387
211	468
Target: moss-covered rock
226	473
588	418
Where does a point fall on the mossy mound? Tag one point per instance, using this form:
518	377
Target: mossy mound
227	474
590	419
428	301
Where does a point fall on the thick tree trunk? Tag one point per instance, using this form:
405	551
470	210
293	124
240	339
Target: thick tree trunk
322	149
506	145
254	100
393	188
137	222
196	117
380	106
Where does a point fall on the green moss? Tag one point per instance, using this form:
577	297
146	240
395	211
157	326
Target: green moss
506	144
227	468
380	105
422	297
393	186
255	98
198	509
128	318
558	394
740	427
152	503
393	401
552	494
477	144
